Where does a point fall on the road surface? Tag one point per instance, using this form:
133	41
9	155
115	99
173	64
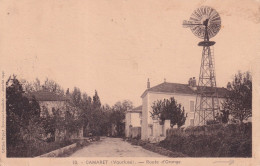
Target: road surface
113	147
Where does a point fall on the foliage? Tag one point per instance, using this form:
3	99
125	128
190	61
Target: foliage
225	116
211	122
23	150
95	118
49	85
169	110
23	126
29	126
155	148
117	115
239	98
222	117
96	101
49	123
231	140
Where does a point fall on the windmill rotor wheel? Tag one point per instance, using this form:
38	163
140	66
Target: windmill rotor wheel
205	17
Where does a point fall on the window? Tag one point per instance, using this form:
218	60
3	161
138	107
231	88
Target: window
191	106
191	122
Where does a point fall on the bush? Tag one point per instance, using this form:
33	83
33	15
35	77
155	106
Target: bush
218	141
156	148
24	150
211	122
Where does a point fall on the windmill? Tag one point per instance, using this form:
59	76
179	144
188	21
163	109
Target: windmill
205	23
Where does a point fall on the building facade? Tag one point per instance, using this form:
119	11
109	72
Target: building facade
133	119
51	103
185	94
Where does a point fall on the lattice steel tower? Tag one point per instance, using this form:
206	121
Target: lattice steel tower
205	23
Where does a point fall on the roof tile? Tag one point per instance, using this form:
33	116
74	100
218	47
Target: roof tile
136	109
44	95
167	87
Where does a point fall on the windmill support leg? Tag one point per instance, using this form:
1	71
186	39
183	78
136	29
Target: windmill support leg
207	98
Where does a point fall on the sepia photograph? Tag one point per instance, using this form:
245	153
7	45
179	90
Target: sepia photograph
127	82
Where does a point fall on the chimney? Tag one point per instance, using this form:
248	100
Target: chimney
229	86
190	82
148	84
194	82
164	79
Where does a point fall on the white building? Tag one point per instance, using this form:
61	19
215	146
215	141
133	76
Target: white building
133	119
185	94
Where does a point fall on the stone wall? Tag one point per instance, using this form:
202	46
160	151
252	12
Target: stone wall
60	151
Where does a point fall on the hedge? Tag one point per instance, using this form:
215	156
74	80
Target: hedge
211	141
23	150
156	148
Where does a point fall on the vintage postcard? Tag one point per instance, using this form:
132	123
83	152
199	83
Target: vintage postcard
128	82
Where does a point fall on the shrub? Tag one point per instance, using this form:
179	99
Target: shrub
218	141
211	122
33	150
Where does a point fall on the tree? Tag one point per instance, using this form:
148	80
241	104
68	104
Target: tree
117	115
17	107
49	123
239	98
76	97
52	86
68	92
23	124
106	122
169	109
48	85
96	101
35	110
85	112
224	116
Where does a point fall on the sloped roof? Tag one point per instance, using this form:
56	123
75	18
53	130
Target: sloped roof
167	87
136	109
44	95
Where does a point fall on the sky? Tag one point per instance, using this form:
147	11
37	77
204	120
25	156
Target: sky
115	46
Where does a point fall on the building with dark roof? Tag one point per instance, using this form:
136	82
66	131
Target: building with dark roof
44	95
167	87
50	103
185	94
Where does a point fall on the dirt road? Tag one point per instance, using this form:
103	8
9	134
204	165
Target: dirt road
113	147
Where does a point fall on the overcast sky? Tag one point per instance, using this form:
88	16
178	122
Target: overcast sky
114	46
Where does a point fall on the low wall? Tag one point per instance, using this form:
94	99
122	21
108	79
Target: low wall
69	149
60	151
135	132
